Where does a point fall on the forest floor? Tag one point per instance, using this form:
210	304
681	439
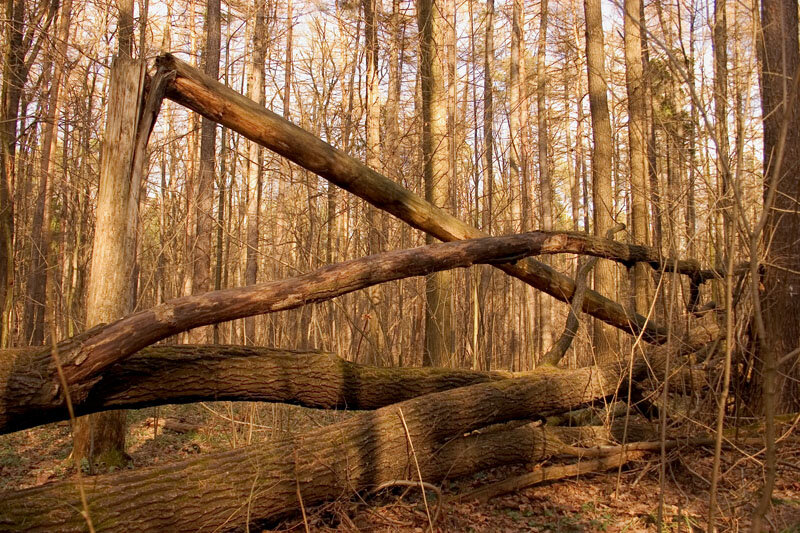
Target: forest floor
616	501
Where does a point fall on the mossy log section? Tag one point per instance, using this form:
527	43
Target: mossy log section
226	490
193	89
165	374
33	381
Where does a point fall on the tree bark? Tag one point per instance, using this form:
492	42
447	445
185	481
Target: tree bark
14	76
113	253
779	327
40	227
225	490
201	251
84	358
210	98
637	146
545	182
165	374
255	170
488	180
604	338
437	174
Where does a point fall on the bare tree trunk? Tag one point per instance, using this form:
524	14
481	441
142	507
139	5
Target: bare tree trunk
14	76
437	173
102	436
779	327
604	338
374	218
360	453
488	182
201	252
637	146
652	171
545	183
255	170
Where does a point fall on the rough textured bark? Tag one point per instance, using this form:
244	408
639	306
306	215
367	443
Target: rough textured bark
14	75
225	490
780	305
543	138
637	146
113	252
518	114
210	98
204	184
488	178
781	280
604	338
165	374
376	324
436	174
254	164
123	164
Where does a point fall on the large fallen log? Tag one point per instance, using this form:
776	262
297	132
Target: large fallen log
165	374
226	490
34	382
193	89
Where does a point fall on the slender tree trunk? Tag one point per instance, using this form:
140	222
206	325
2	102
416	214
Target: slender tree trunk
652	170
437	174
545	183
374	219
255	170
487	213
201	252
637	146
40	231
691	209
604	338
14	76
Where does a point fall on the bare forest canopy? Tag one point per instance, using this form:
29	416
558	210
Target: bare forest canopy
164	220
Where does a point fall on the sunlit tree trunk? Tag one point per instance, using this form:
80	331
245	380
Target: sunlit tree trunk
255	170
437	174
637	146
201	252
102	436
374	219
487	213
545	183
604	338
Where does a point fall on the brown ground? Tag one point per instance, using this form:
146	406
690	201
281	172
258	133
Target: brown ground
603	502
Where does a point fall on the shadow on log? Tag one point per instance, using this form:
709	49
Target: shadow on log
224	490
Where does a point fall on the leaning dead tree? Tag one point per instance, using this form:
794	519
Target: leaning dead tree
433	423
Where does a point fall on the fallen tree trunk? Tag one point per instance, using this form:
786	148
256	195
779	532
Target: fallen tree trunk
34	381
180	374
226	490
193	89
165	374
